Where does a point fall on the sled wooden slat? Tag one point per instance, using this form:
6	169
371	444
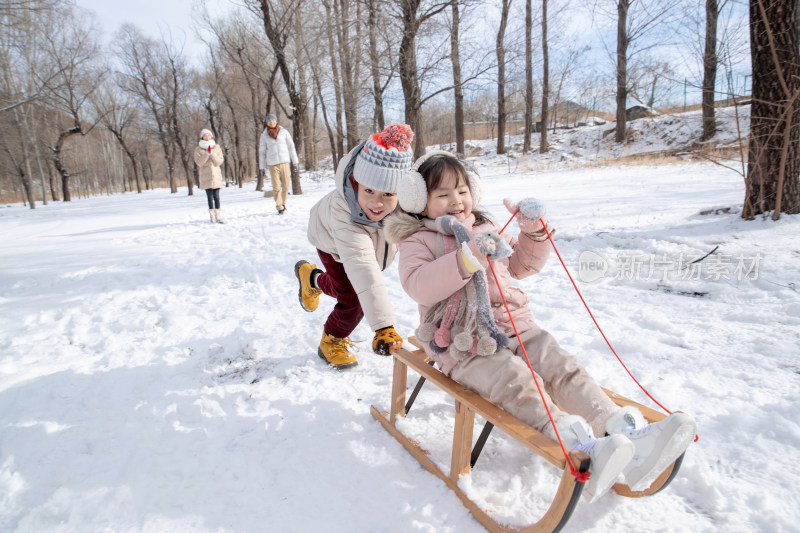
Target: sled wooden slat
467	404
510	424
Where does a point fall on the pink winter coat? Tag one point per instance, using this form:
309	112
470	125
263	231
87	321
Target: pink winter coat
429	280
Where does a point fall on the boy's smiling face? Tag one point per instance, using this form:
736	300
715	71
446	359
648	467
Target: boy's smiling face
376	204
451	197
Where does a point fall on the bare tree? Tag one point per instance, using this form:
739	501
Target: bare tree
143	72
412	18
16	149
458	90
306	133
119	117
277	26
71	45
545	82
242	46
710	70
175	94
381	75
26	75
623	39
225	87
20	29
526	139
636	32
500	52
314	53
338	150
348	41
773	163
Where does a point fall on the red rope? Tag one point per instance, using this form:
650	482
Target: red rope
550	238
553	244
580	476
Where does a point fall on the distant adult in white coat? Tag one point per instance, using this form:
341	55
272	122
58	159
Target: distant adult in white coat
276	151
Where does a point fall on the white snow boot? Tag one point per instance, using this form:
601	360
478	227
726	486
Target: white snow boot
657	445
609	455
218	217
213	214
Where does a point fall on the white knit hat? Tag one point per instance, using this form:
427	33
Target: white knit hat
385	159
203	133
412	193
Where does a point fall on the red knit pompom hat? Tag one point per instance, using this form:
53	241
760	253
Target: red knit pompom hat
385	158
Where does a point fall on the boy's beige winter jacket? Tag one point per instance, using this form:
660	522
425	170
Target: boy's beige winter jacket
208	167
362	249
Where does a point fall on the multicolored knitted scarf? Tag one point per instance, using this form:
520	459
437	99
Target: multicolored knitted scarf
463	323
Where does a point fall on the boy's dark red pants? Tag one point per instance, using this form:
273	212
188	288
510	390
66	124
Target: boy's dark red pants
347	312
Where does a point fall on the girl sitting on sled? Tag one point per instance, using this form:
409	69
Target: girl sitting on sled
445	243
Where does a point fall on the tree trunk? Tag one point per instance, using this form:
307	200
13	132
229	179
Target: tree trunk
709	71
278	42
545	82
337	88
374	62
500	51
257	116
19	166
622	68
51	176
526	139
59	165
408	74
458	92
307	148
41	174
773	165
341	11
320	101
27	186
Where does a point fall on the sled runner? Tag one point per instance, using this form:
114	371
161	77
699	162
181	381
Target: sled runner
467	404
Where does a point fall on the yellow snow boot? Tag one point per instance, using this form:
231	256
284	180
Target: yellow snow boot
308	294
336	351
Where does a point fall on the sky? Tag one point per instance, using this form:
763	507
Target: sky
157	373
155	17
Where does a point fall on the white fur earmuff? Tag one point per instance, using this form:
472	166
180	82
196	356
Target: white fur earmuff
412	193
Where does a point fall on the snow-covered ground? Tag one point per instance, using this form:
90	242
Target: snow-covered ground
158	374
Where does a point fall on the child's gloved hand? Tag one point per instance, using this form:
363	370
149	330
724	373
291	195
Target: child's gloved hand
475	250
482	247
386	341
531	211
492	245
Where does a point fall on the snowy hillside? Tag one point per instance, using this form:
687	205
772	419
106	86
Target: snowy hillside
158	374
654	136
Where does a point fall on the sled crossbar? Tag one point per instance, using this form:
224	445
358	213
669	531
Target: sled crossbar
467	404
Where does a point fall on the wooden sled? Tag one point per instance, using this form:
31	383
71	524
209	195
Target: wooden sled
467	403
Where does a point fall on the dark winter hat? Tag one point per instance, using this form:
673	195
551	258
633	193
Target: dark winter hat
385	158
271	116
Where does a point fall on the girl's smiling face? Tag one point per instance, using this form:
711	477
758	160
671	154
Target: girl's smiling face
376	204
451	197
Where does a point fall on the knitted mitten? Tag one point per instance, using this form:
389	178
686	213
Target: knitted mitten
531	213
